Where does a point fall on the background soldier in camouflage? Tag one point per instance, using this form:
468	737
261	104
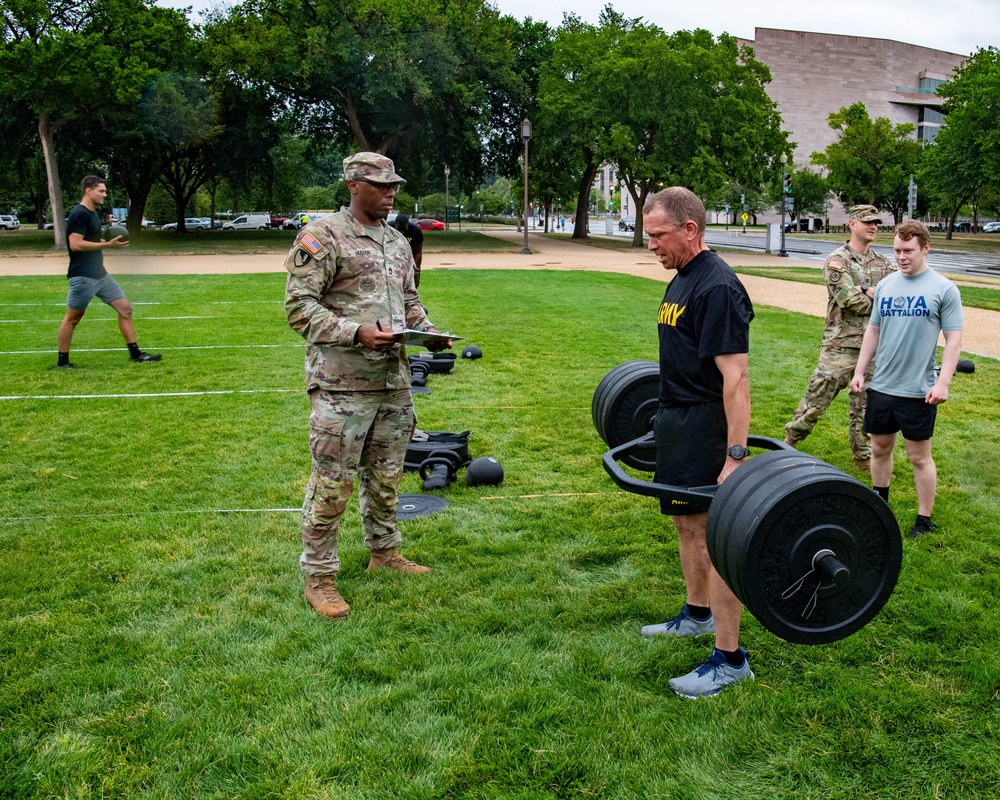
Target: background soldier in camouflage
851	273
350	290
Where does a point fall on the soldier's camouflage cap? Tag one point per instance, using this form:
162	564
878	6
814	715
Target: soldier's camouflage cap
372	167
865	214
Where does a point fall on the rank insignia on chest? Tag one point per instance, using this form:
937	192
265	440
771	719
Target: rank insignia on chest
367	284
310	243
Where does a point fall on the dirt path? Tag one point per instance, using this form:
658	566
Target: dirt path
981	335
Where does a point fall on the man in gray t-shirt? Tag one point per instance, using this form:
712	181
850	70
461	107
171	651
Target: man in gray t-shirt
910	310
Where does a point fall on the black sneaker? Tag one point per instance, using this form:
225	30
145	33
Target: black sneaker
147	357
67	365
921	527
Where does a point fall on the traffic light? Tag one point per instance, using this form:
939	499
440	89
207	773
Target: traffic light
786	181
913	194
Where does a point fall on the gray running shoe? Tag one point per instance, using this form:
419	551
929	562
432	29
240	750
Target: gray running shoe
711	677
681	625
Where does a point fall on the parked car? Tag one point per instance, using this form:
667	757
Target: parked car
626	224
428	224
191	224
278	222
258	221
805	225
991	227
294	222
9	222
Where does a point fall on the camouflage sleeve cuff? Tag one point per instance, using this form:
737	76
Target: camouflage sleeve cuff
350	335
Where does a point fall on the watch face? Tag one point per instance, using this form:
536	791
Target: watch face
737	451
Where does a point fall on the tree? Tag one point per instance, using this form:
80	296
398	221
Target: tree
963	163
693	111
872	159
416	81
68	60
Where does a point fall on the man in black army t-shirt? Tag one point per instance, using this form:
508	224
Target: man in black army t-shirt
89	279
415	236
703	420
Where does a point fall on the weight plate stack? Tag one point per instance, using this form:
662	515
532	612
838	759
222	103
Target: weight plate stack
770	525
624	406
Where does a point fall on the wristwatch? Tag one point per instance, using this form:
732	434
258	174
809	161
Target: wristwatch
864	288
738	452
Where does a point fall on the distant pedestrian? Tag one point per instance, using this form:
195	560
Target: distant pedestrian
912	308
415	236
851	273
88	278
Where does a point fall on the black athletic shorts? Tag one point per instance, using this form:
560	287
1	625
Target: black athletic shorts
690	451
886	413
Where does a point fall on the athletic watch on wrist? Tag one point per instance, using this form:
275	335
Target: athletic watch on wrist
865	287
737	452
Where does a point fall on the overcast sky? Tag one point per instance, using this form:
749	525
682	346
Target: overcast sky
958	26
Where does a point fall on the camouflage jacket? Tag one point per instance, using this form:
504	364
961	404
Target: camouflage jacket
340	279
848	308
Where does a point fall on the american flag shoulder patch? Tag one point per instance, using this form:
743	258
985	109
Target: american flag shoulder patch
309	242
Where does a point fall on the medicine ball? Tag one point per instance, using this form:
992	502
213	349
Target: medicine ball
471	351
118	230
484	472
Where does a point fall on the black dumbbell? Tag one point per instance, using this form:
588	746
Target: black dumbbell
439	469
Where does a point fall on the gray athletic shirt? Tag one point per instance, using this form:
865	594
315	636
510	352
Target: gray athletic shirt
910	313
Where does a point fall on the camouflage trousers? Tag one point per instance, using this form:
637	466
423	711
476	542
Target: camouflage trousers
833	374
353	434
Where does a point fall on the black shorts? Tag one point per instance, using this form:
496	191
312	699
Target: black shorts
886	413
690	451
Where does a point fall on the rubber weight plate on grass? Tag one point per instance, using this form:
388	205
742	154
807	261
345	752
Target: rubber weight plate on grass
624	406
419	505
811	552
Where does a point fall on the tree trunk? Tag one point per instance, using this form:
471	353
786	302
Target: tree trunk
582	226
46	132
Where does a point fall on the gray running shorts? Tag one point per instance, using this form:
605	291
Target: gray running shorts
82	290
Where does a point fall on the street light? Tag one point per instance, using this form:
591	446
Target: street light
526	135
784	160
447	202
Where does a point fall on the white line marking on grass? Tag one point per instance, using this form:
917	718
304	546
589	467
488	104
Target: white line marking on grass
152	346
149	303
540	496
104	319
156	513
149	394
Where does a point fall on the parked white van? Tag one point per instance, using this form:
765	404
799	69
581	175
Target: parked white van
249	222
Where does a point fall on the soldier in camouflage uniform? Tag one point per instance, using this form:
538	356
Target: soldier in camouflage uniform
851	273
350	290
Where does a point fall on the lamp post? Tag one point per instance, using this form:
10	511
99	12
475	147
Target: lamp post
447	202
526	135
784	161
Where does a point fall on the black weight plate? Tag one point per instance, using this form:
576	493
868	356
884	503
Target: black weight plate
624	407
773	519
419	505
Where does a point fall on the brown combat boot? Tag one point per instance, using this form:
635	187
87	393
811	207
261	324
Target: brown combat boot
390	559
863	464
791	442
321	593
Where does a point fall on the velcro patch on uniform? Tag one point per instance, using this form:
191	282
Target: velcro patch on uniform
309	242
367	284
834	277
835	265
302	258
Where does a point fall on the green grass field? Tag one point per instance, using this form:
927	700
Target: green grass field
153	642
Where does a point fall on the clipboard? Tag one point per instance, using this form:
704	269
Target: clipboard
410	336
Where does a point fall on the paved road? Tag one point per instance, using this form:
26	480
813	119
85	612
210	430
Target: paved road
959	263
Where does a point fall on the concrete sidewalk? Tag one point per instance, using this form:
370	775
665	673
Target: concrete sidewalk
981	335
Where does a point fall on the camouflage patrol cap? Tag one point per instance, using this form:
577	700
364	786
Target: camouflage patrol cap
372	167
865	214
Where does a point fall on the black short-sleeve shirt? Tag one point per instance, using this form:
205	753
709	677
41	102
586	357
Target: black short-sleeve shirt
705	312
88	264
